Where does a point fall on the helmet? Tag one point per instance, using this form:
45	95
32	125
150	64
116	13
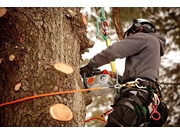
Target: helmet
140	25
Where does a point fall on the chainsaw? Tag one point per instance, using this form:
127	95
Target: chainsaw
106	80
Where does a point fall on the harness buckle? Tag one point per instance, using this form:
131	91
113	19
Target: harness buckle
137	80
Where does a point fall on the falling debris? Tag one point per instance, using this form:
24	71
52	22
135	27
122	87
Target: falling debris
11	57
61	112
17	86
3	11
65	68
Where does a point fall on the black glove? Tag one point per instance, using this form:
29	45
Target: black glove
87	70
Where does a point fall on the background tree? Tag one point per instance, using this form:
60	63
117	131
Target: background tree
167	22
32	40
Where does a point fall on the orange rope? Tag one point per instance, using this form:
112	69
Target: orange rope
95	119
47	94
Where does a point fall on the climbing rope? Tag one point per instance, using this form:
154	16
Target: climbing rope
105	28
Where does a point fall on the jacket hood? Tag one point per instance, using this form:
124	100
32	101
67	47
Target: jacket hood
162	42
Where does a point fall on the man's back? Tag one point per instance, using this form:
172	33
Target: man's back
145	62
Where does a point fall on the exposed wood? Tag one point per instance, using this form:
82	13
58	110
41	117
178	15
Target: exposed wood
84	19
3	10
65	68
11	57
61	112
17	86
70	13
1	60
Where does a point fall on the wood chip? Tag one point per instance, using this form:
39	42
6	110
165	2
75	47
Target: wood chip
65	68
17	86
3	10
61	112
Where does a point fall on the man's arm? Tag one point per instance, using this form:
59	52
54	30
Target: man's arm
122	49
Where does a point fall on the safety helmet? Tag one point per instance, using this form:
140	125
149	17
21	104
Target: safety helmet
140	25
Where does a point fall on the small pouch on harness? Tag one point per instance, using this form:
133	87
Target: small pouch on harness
124	114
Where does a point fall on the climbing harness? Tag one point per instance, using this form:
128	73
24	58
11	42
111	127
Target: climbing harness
107	82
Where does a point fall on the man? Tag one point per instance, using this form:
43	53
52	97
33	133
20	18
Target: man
143	49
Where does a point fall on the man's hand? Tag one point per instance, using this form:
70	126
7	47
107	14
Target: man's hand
86	69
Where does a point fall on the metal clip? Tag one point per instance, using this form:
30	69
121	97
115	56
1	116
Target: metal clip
131	83
117	86
105	27
137	83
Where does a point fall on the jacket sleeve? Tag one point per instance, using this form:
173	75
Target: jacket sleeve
127	47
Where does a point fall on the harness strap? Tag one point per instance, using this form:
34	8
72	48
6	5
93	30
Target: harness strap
149	84
137	102
115	121
152	85
144	84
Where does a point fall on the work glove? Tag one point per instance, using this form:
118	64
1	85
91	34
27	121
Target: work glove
87	70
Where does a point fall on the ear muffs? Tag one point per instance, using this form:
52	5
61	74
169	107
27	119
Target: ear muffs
136	26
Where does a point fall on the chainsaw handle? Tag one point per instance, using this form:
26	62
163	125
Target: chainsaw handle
94	72
84	80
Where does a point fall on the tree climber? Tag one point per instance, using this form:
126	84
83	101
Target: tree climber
142	47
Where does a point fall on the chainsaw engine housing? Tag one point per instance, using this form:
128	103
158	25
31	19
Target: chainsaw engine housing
105	81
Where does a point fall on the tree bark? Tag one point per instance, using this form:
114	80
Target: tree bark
38	38
117	22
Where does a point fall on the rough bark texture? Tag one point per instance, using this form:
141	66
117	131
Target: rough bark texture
117	22
39	38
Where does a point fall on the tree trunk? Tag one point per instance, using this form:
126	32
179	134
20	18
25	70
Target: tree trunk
32	40
117	22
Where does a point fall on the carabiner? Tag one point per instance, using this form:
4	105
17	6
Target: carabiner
155	115
105	27
137	82
117	86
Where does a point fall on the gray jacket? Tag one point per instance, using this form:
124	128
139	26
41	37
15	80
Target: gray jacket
143	53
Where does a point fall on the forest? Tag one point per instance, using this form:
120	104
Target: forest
34	39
